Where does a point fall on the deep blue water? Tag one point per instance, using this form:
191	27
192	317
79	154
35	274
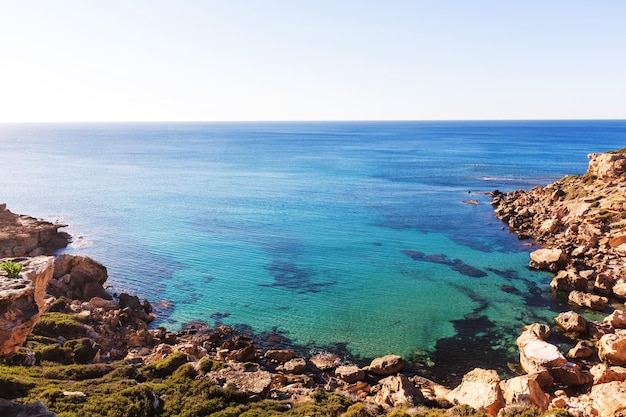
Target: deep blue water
334	233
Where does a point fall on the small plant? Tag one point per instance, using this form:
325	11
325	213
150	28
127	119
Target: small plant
12	269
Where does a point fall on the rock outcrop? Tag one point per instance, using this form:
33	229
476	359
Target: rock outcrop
22	301
22	235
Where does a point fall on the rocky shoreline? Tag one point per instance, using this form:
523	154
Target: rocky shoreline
58	314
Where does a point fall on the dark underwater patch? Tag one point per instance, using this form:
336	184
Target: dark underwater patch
440	258
290	276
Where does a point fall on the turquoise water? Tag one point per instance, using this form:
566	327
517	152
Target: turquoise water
313	230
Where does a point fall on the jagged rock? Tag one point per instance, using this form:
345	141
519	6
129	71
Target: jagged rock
548	259
606	166
282	355
608	399
568	281
603	373
350	374
24	235
525	390
571	321
22	301
97	302
592	301
386	365
294	366
612	348
570	374
36	409
617	319
480	389
619	289
397	390
245	354
79	277
537	355
581	350
325	361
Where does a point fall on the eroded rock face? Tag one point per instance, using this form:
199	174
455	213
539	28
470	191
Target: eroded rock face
612	348
525	390
24	235
609	399
607	166
397	390
22	301
571	321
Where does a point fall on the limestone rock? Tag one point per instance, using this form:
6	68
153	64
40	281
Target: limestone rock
548	259
480	389
397	390
256	382
24	235
325	361
386	365
525	390
609	399
607	166
282	355
537	355
617	319
568	281
602	373
619	289
294	366
581	350
592	301
612	348
350	374
571	321
570	374
79	277
22	301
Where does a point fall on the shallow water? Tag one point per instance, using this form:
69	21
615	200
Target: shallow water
350	234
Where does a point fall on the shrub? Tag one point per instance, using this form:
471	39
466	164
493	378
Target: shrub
207	365
12	387
357	410
12	269
166	367
59	324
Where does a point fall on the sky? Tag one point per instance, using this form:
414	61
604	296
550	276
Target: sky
232	60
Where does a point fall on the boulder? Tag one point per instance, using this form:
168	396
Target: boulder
282	355
525	390
571	321
608	399
548	259
481	390
617	319
294	366
386	365
568	281
325	361
81	276
606	166
245	354
570	374
257	382
537	355
612	348
396	391
603	373
22	301
619	289
592	301
350	373
581	350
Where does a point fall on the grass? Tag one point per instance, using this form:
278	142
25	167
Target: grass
12	269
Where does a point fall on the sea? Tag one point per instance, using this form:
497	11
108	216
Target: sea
362	238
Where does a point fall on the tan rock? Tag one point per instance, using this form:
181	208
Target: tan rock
606	166
481	390
548	259
325	361
571	321
609	400
386	365
570	374
22	301
257	382
396	391
294	366
245	354
619	288
525	390
350	373
612	348
603	373
617	319
568	281
281	355
581	350
592	301
537	355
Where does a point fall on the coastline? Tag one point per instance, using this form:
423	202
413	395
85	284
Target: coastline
530	214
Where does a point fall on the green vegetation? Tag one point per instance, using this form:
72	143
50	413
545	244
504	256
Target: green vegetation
12	269
59	324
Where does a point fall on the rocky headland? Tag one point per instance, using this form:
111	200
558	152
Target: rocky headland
68	347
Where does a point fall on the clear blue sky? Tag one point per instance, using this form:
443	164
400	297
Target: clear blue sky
153	60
